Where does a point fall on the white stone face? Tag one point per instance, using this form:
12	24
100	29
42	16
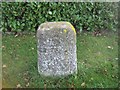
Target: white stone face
56	49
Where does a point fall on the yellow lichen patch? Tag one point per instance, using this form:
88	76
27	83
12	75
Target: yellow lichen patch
72	27
65	30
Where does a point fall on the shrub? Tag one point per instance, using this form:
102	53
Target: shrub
27	16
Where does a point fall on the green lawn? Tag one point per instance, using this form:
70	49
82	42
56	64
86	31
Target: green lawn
97	59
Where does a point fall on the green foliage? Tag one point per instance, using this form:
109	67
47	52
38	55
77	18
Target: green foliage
27	16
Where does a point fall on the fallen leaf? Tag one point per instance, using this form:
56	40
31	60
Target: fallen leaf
45	85
4	66
18	85
27	84
83	84
16	35
3	46
26	79
32	48
72	86
109	47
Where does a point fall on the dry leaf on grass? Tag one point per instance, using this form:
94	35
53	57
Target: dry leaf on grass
32	48
45	85
18	86
3	46
16	35
83	84
4	66
109	47
27	84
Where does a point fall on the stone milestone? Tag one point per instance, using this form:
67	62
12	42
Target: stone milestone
56	47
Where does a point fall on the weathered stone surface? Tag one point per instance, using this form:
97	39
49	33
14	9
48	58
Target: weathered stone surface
56	49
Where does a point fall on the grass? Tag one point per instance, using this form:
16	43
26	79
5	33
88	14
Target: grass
97	59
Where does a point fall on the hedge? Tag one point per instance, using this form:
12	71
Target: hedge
27	16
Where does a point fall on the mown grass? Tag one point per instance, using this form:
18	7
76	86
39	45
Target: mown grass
97	59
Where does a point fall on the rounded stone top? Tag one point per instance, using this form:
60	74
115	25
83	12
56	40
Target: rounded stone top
60	24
